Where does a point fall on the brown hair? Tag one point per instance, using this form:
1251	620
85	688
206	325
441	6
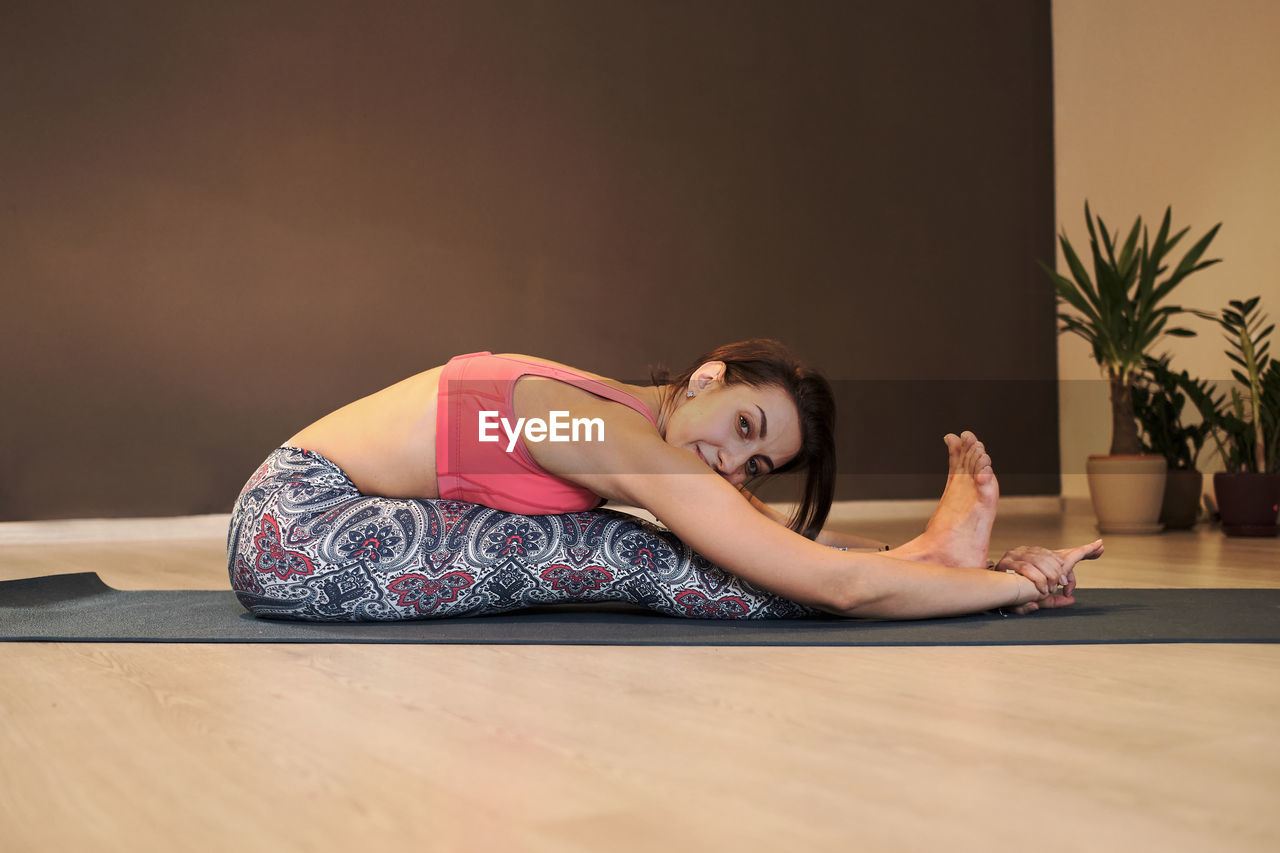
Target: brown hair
763	362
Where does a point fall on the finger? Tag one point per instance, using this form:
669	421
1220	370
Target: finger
1049	602
1056	600
1050	566
1048	562
1071	556
1063	579
1032	573
1037	577
1069	587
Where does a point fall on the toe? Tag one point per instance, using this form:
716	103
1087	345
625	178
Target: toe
954	450
973	457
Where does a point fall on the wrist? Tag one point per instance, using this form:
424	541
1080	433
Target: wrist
1025	590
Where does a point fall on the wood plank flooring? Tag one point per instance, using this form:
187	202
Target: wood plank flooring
512	748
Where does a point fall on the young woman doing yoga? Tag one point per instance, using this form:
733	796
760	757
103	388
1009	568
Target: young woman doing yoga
474	488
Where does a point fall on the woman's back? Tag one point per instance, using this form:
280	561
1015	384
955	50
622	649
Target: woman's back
385	442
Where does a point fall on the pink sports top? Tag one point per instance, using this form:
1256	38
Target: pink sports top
470	470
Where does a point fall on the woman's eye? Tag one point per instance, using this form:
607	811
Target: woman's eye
753	467
744	425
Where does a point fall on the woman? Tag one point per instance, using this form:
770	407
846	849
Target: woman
473	488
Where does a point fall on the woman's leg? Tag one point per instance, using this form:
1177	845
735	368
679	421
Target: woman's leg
304	543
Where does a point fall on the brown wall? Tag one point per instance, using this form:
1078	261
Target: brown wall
219	221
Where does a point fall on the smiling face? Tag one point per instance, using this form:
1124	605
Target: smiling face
738	430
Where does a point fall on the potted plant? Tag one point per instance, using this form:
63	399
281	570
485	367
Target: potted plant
1120	311
1158	400
1248	437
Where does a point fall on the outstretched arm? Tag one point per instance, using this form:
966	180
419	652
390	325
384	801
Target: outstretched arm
865	585
707	513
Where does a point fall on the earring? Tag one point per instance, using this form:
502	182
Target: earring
688	393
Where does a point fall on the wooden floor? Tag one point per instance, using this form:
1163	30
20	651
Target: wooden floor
145	747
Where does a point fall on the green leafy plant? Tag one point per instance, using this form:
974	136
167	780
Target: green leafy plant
1159	396
1120	310
1248	436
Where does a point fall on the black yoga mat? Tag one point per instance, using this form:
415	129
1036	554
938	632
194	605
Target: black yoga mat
81	608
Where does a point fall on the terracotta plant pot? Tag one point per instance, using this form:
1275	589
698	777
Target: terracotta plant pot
1248	503
1127	492
1182	490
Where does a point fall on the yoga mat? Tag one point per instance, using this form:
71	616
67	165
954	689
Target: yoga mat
81	608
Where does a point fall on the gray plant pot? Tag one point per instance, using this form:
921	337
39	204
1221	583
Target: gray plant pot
1127	492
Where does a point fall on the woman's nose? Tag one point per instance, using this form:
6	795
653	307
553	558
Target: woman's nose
729	466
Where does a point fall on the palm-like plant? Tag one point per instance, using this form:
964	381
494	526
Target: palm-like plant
1159	396
1254	439
1119	309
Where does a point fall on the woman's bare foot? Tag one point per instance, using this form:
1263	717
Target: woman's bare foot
959	533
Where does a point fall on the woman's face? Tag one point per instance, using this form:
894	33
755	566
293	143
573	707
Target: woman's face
739	431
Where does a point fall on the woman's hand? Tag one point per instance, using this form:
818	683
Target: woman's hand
1052	572
1042	567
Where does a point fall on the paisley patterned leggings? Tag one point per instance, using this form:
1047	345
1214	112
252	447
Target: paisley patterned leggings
305	543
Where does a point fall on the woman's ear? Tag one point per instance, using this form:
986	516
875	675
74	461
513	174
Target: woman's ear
709	374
